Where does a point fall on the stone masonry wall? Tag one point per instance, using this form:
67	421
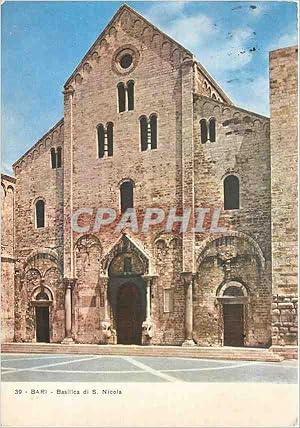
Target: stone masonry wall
284	320
284	188
180	173
35	179
7	258
96	182
241	148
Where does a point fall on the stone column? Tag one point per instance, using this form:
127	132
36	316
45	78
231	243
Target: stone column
188	278
19	284
148	299
68	310
147	324
106	323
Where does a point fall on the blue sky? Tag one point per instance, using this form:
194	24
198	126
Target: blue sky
42	42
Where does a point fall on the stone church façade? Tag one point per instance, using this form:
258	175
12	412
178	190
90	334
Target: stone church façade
145	125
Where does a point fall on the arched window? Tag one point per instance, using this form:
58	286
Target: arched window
130	95
53	158
121	97
109	130
126	193
100	134
40	214
203	131
212	130
231	193
153	129
58	158
143	133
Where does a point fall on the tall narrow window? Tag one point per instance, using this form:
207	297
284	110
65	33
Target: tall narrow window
143	133
231	193
126	193
130	95
109	130
153	127
40	214
203	130
212	130
58	157
100	134
53	158
121	97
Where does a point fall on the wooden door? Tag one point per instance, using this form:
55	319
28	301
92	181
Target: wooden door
42	324
233	325
129	315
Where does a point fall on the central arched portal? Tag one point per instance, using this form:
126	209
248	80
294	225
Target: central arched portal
128	295
129	314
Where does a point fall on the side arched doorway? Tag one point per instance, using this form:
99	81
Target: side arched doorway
42	324
129	314
234	300
42	301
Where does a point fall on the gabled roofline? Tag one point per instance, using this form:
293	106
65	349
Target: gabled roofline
232	106
60	122
214	83
118	12
188	52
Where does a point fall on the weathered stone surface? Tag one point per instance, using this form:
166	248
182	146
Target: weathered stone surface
181	173
284	165
7	258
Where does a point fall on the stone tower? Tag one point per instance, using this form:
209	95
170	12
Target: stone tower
284	161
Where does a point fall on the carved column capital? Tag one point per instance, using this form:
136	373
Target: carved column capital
149	279
69	283
188	277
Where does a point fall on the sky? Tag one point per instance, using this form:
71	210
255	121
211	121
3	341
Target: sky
42	42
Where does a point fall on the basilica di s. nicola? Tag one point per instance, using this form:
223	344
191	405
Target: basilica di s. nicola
146	126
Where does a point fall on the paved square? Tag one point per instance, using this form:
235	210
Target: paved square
91	368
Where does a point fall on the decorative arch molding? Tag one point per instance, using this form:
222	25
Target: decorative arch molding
231	115
239	235
43	253
44	143
126	179
170	240
42	289
232	283
126	244
3	189
231	171
86	242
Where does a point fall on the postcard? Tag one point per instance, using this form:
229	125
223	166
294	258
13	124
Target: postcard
149	252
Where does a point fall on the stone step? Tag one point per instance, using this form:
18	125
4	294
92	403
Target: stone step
289	352
222	353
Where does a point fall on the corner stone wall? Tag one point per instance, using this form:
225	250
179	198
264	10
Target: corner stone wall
284	320
284	167
7	258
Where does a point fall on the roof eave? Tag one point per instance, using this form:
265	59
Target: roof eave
39	141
